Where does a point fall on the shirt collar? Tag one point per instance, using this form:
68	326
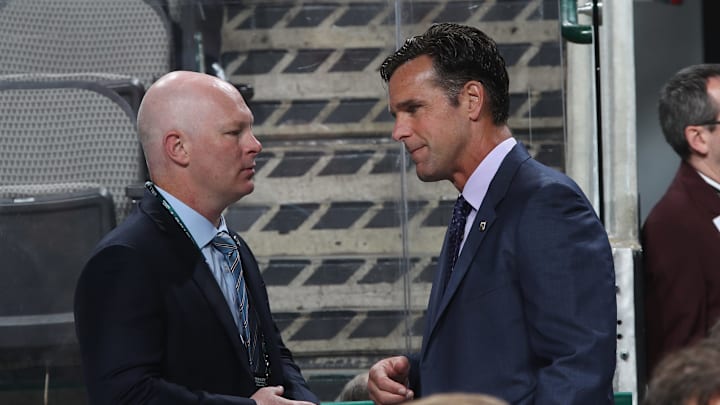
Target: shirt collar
714	184
477	185
202	230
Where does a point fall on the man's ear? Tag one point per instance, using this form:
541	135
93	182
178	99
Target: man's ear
176	148
476	97
696	138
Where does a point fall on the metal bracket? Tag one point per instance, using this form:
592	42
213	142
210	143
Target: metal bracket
570	29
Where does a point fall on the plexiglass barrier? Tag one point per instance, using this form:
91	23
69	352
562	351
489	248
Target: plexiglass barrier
346	235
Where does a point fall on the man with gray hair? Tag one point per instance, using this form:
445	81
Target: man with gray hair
682	233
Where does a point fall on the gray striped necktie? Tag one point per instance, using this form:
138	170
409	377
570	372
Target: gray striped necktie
248	326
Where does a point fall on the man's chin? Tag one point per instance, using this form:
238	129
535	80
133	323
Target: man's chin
425	176
247	189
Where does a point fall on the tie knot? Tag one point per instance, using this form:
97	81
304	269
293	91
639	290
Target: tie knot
223	242
462	207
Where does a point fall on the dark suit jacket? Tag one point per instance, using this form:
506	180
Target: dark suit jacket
682	265
155	328
529	313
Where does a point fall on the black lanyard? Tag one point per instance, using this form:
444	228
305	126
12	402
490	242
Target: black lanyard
260	378
151	187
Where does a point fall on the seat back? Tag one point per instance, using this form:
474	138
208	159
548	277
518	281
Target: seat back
45	242
125	37
61	137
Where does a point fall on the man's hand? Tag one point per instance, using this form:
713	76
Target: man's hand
273	396
388	380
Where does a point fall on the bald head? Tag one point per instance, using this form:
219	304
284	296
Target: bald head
196	132
460	399
180	101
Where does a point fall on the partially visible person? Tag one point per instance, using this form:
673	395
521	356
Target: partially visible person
523	305
460	399
689	376
681	235
171	307
355	389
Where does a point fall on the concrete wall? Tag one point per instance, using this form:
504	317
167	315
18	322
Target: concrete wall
667	38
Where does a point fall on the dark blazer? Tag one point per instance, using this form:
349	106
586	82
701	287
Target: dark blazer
155	328
529	312
681	265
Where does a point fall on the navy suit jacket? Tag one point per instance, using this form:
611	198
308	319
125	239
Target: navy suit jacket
529	312
155	328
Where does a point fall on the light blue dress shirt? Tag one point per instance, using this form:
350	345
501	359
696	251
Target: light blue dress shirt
203	231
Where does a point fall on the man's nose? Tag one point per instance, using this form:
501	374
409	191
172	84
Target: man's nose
400	131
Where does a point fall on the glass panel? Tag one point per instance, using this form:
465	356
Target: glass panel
329	237
346	236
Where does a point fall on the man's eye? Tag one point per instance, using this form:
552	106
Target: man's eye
412	109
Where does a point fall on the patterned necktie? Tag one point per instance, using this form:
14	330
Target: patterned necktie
456	231
248	327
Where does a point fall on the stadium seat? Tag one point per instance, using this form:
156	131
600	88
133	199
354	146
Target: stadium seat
123	37
67	136
69	149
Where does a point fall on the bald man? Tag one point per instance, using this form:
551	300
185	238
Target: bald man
171	307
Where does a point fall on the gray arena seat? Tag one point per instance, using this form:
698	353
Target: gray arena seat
123	37
67	136
44	242
68	149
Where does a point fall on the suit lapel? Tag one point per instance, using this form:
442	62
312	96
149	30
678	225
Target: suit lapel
482	226
436	293
704	195
201	273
